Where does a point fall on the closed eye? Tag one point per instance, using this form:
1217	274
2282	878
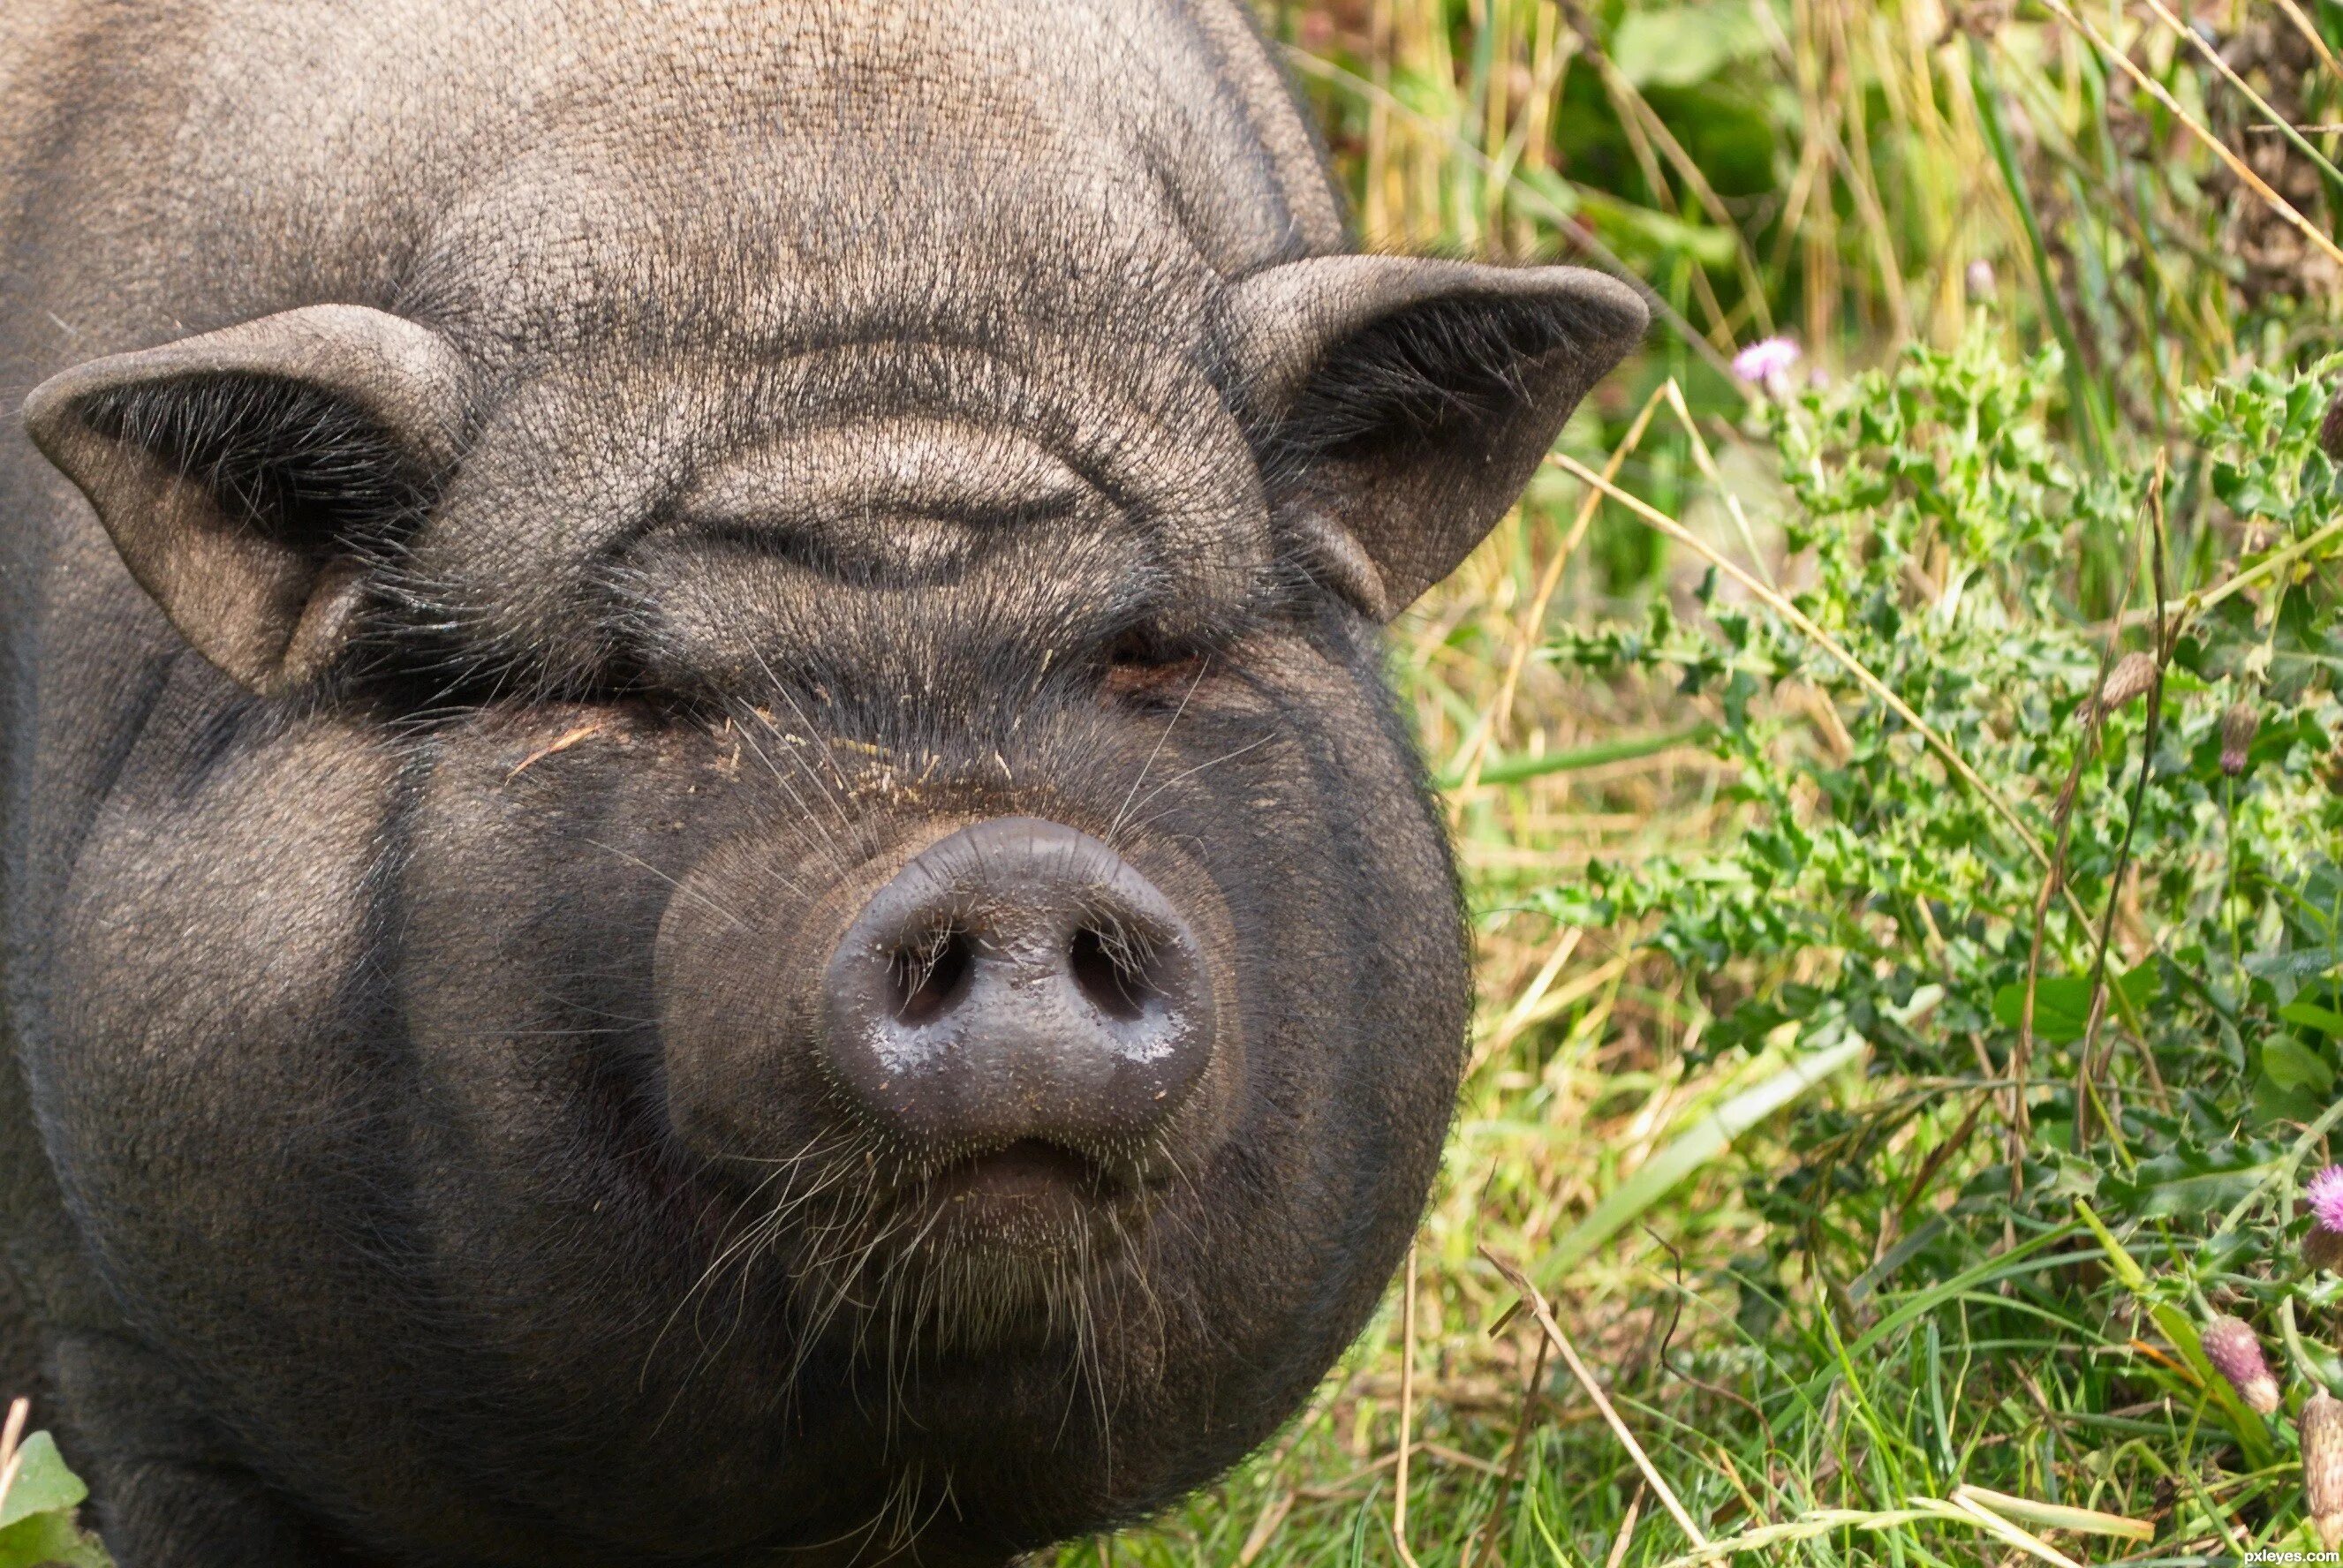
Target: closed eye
1141	669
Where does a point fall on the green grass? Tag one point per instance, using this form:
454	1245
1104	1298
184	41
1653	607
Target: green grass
1754	1100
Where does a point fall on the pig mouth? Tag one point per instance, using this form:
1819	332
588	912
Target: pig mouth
1029	1170
999	1249
1031	1197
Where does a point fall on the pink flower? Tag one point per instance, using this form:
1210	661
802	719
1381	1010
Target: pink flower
2324	1195
1980	278
1767	364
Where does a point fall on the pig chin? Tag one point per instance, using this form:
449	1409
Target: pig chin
960	1089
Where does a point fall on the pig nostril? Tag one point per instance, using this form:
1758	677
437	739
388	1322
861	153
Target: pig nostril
1112	971
928	977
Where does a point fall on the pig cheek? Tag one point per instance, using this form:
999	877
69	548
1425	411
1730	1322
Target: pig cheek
736	967
529	915
1370	964
209	944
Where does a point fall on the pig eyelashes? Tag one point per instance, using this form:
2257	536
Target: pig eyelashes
1143	667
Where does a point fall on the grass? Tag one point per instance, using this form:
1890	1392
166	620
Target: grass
1878	1215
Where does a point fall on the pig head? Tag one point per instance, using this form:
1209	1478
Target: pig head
705	860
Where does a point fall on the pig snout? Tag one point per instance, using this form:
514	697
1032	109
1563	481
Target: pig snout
1018	981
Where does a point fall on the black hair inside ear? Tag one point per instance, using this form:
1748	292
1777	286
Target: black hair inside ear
1421	375
288	459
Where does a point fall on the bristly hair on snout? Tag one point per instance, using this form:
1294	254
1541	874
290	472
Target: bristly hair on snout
860	1267
847	1232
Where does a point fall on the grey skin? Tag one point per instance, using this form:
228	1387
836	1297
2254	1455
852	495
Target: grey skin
705	861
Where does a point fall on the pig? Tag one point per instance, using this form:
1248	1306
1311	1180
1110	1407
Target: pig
705	859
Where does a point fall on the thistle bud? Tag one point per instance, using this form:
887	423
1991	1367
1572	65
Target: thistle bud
2323	1248
2133	674
2237	1355
2330	430
2322	1466
2238	727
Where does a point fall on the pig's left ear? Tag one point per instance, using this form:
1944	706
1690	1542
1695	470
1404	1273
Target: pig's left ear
245	473
1400	406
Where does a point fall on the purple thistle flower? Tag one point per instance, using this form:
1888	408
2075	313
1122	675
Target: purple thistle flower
1767	364
2324	1196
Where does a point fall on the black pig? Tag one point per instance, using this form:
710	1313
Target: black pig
704	863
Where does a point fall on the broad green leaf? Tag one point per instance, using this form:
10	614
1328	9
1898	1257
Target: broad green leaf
51	1541
42	1483
2188	1180
2274	1104
2291	1065
2310	1015
1679	46
2302	964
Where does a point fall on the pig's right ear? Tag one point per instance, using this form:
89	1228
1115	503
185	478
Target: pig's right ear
1400	406
245	473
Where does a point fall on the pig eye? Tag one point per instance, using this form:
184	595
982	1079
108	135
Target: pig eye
1139	666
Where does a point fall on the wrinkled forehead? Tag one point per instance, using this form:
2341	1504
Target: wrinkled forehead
831	344
887	505
689	300
1031	427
